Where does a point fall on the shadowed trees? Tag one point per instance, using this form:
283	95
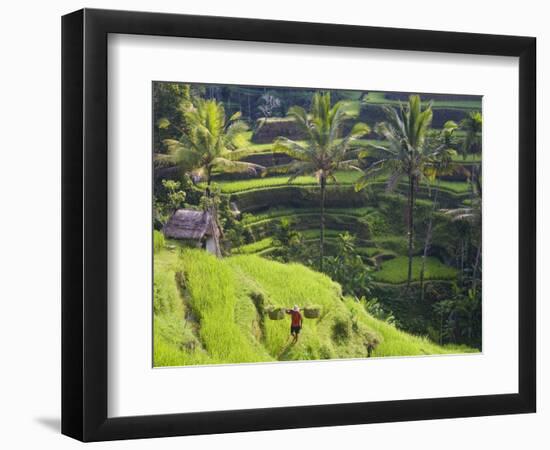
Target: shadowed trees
407	154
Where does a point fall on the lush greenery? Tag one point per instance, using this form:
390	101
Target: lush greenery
210	310
365	206
394	270
342	177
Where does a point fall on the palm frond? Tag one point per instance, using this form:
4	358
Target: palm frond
292	148
393	181
230	166
235	116
299	168
351	164
236	155
163	123
362	183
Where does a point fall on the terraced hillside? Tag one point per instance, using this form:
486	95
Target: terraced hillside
210	310
373	217
322	240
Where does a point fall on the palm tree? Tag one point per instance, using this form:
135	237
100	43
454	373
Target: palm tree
440	164
210	142
472	125
324	150
472	215
407	155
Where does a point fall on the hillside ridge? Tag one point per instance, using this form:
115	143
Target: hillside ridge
211	311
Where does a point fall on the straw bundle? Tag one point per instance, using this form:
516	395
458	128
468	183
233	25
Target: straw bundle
312	312
276	313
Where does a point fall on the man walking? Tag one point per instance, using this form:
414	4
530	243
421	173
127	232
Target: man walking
295	322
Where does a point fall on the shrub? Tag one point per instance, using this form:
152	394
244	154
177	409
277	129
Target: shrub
259	300
326	352
376	223
341	329
375	309
347	267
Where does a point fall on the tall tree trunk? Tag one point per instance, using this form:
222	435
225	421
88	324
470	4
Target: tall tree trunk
410	225
476	266
427	242
477	184
441	328
462	261
322	234
208	180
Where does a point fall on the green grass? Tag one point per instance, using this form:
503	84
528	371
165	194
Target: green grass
394	244
212	318
267	243
370	251
255	247
458	187
346	178
170	330
211	295
470	158
394	271
233	186
378	98
313	234
262	149
267	147
158	241
278	213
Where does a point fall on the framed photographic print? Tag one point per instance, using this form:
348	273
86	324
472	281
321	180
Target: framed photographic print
276	225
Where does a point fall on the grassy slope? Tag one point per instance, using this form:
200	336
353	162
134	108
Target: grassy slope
229	329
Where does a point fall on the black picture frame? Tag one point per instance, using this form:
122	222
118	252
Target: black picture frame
84	224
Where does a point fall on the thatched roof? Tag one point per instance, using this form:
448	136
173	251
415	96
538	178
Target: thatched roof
189	224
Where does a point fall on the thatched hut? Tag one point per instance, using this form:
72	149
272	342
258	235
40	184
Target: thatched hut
196	228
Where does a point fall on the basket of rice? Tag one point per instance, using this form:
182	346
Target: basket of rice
312	312
276	313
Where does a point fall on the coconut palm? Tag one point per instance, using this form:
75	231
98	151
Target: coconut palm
440	164
472	215
210	142
472	125
409	154
324	149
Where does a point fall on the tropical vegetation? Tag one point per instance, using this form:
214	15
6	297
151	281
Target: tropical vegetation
362	208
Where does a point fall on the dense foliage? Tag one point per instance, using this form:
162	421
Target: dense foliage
377	225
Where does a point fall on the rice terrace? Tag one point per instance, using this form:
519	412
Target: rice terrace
313	224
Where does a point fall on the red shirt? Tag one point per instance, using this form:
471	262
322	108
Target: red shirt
296	317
